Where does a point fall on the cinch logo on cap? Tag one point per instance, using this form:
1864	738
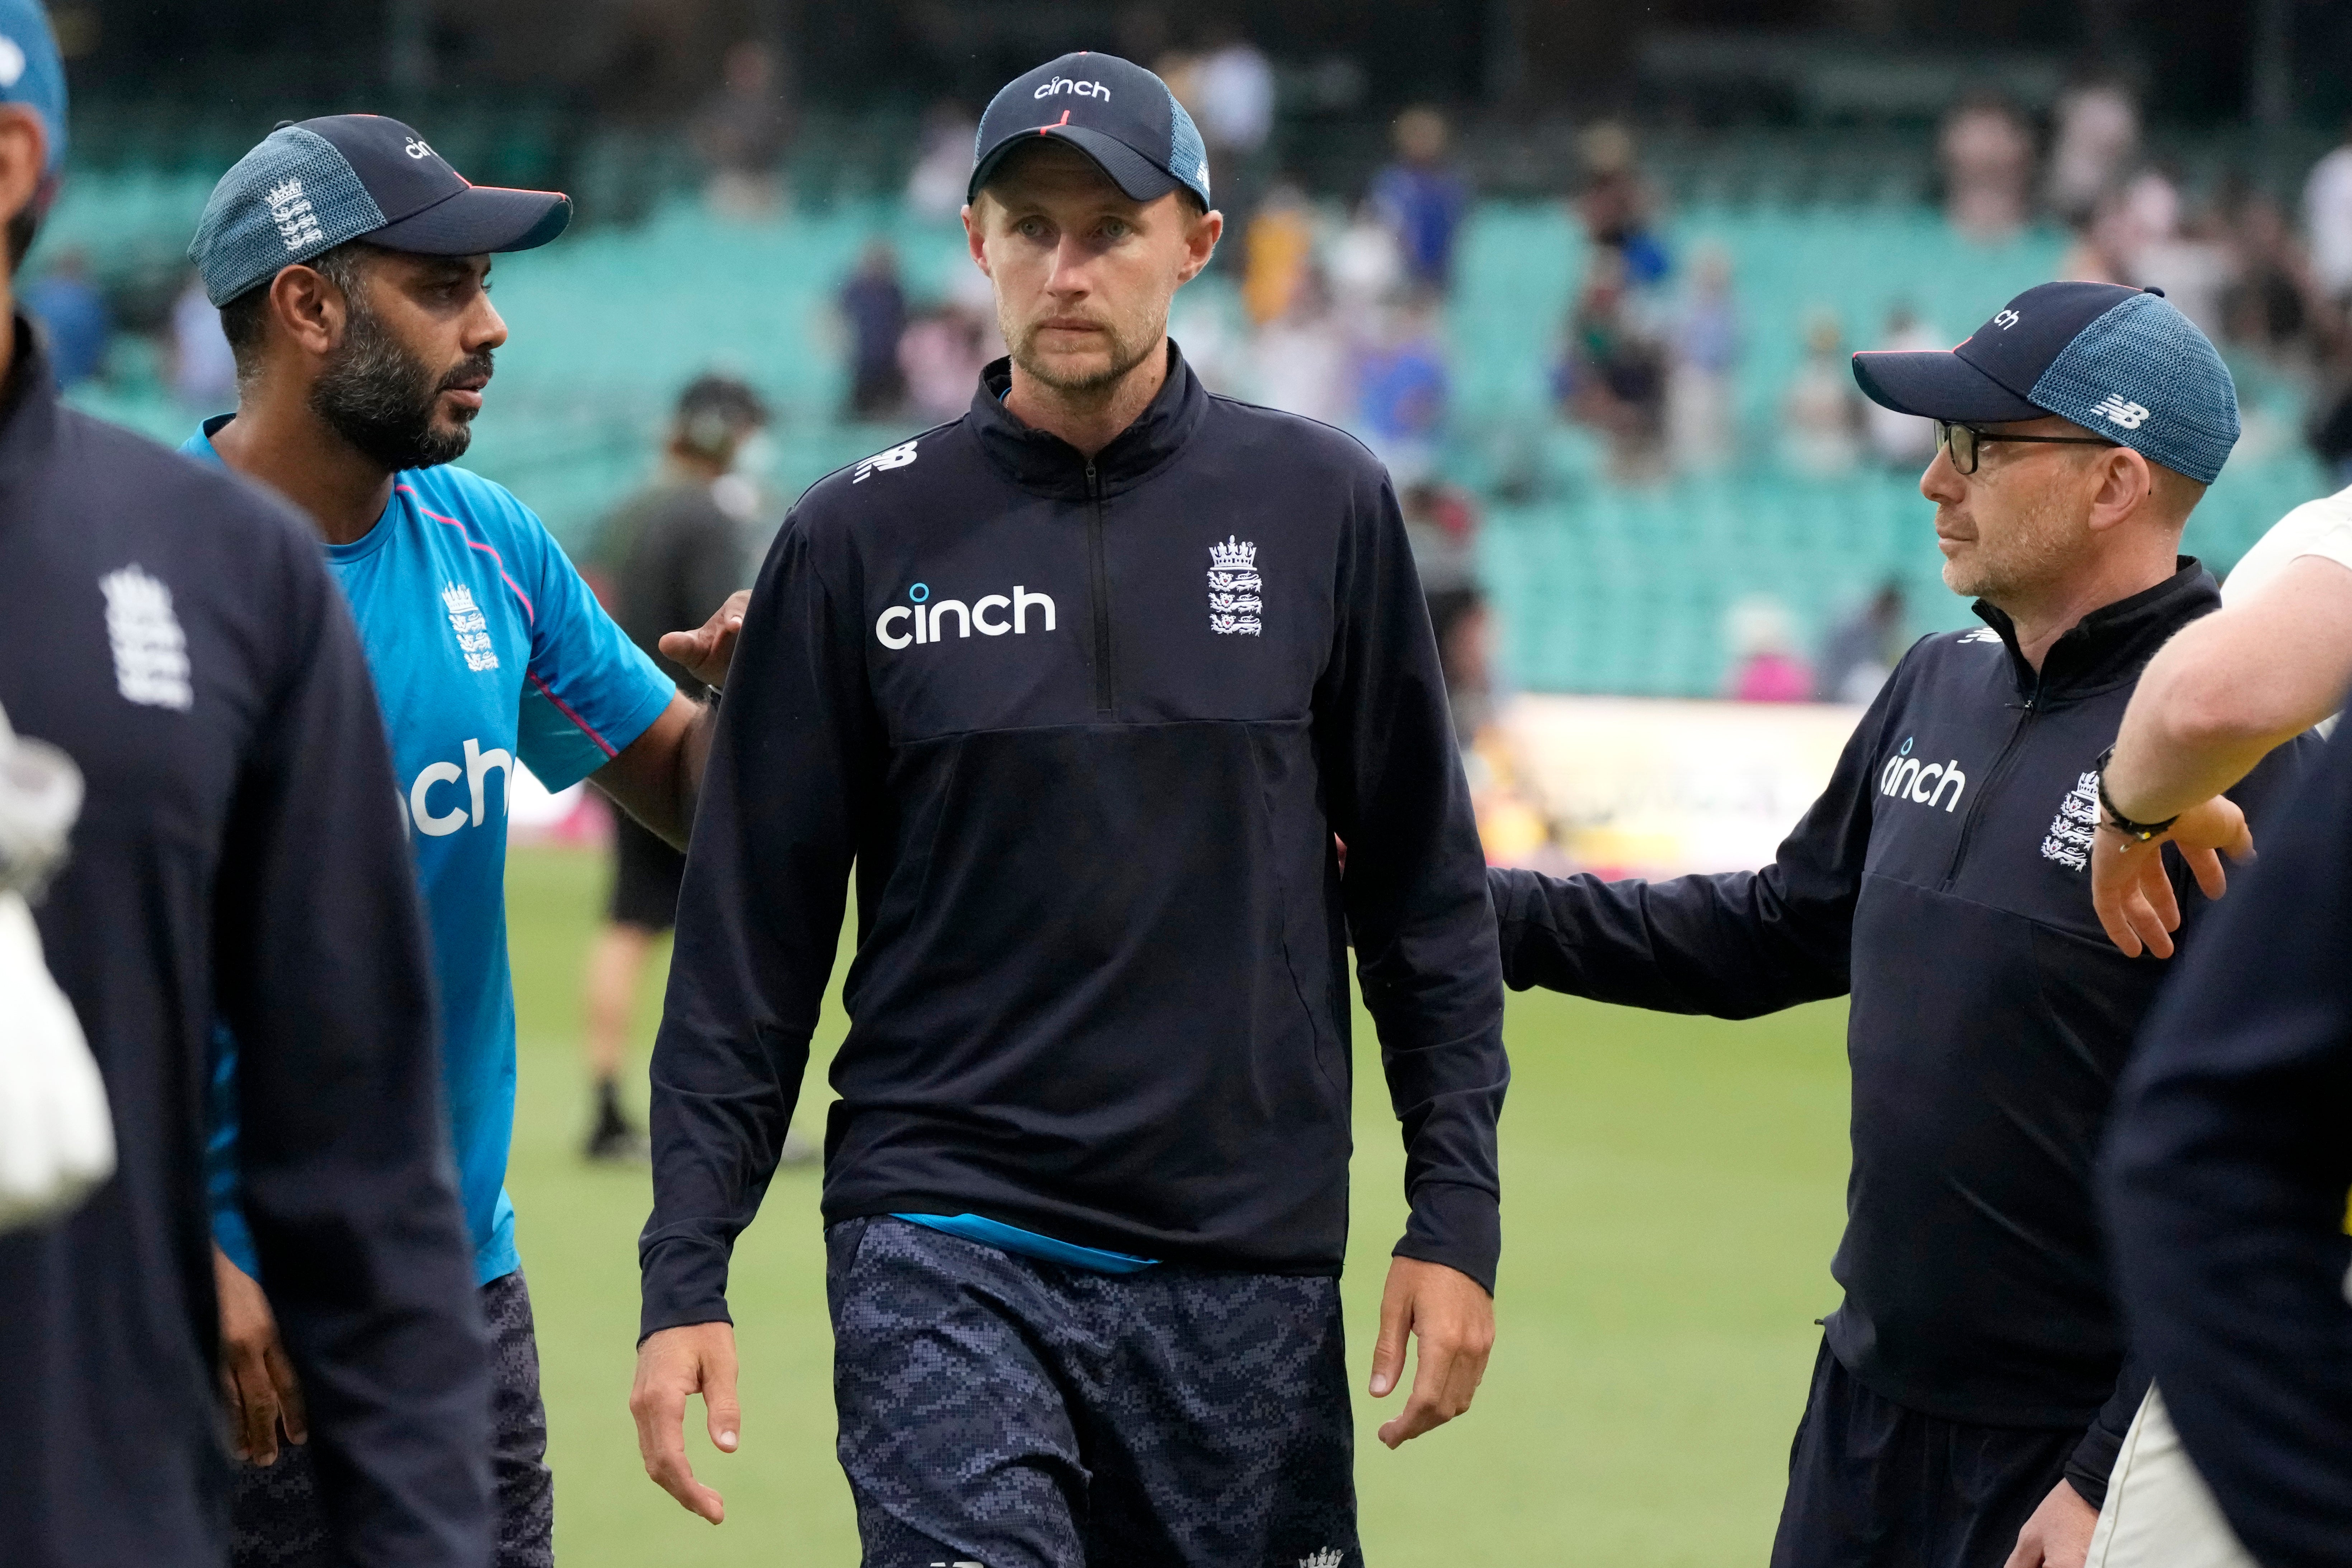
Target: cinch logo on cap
1083	89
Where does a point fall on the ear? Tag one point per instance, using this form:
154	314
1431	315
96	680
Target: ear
1200	245
2121	483
23	154
975	241
310	310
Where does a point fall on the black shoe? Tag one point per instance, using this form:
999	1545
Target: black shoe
615	1143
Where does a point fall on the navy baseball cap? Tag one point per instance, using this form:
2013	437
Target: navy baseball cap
1113	110
2121	362
311	186
30	71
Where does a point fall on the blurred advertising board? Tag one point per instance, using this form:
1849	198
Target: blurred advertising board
1642	787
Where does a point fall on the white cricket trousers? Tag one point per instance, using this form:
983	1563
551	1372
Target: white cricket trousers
2160	1513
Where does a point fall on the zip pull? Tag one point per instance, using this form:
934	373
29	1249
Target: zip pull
1094	486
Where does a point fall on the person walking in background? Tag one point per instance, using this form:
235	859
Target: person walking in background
1973	1390
872	306
1086	1189
171	632
361	317
667	554
1821	417
1987	154
1422	198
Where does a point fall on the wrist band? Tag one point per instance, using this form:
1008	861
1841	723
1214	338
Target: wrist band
2143	831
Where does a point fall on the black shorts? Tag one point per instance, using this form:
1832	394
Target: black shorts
275	1517
1873	1484
1001	1411
646	875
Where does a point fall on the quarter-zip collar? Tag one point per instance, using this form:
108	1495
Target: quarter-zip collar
1047	464
28	406
2112	644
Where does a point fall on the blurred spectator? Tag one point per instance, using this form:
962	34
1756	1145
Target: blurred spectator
203	369
1902	440
1422	198
1400	381
1765	666
73	317
1615	376
1302	359
1616	206
1988	159
1702	416
2107	248
1442	523
1367	266
2188	256
1232	96
2328	218
2096	139
2274	302
1862	651
874	307
1821	417
943	165
1277	248
741	133
668	558
940	357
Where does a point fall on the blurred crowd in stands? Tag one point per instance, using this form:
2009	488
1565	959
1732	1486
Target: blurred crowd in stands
1332	304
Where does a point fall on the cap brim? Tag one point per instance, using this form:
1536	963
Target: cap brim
477	221
1938	383
1135	174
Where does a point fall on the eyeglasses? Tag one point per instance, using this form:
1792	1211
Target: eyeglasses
1965	441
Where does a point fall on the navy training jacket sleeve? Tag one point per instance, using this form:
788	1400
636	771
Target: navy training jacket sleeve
1415	893
759	922
2227	1165
1734	945
321	970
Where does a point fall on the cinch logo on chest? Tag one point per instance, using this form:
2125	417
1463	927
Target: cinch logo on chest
1906	779
992	615
419	805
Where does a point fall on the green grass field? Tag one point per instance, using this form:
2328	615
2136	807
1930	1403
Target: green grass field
1672	1192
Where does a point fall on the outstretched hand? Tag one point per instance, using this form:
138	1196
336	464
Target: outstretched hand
2129	888
1454	1318
709	648
673	1366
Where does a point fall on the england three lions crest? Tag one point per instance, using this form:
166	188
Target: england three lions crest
1233	588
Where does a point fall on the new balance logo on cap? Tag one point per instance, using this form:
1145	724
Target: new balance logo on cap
2130	415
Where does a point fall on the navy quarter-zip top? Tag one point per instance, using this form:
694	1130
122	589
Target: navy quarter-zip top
1942	878
1085	730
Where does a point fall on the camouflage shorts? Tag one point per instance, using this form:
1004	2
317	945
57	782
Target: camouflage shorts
1003	1412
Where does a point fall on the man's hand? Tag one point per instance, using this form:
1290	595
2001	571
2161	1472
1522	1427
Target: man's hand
255	1374
707	651
2059	1534
2129	888
671	1365
1454	1318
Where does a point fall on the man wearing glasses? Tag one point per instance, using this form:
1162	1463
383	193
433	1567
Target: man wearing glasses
1973	1388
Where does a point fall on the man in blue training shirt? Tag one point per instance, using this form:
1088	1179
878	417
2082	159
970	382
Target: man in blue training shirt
350	263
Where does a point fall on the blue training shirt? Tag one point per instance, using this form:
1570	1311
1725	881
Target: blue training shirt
486	647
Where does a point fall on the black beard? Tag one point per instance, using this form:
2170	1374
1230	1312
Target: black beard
380	398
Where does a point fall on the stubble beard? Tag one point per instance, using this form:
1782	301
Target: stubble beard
2034	553
1125	356
380	398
